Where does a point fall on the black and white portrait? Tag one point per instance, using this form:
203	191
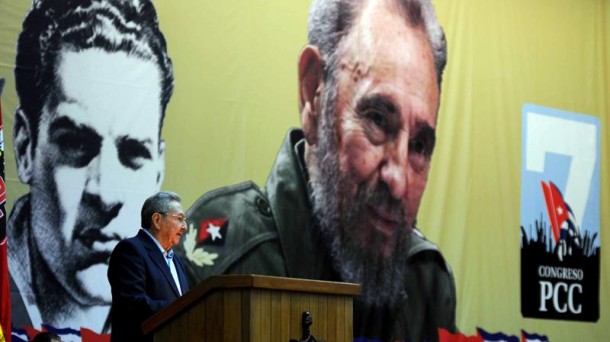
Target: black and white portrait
93	79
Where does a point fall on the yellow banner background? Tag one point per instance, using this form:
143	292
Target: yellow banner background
235	97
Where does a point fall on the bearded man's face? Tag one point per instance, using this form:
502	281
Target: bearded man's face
376	136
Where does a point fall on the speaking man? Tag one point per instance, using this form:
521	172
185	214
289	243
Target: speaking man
93	79
144	273
341	201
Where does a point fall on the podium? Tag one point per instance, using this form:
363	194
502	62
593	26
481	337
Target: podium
253	308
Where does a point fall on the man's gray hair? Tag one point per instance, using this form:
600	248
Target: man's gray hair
157	203
330	21
52	26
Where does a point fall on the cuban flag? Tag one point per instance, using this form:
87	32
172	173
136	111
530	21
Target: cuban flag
560	214
28	333
526	337
496	337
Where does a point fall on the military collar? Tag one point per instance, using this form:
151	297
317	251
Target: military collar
288	197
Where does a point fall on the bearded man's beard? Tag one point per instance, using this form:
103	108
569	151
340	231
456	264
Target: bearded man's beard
356	249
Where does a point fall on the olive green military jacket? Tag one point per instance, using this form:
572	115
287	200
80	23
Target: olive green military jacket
242	230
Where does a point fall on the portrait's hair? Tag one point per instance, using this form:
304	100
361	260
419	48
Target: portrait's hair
46	337
330	21
128	26
157	203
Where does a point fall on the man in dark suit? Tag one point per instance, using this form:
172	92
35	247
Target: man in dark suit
144	273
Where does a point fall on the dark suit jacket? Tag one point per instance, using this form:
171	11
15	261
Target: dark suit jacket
141	285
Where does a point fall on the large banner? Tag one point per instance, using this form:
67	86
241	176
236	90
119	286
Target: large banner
93	79
108	101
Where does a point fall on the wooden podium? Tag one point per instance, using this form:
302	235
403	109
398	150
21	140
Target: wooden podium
256	308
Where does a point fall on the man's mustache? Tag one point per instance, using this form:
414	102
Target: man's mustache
381	198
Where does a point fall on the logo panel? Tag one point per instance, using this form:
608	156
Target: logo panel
560	242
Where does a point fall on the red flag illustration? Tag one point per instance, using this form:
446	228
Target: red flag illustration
555	206
446	336
5	295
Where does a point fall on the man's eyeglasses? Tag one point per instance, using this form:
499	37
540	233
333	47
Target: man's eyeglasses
181	218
